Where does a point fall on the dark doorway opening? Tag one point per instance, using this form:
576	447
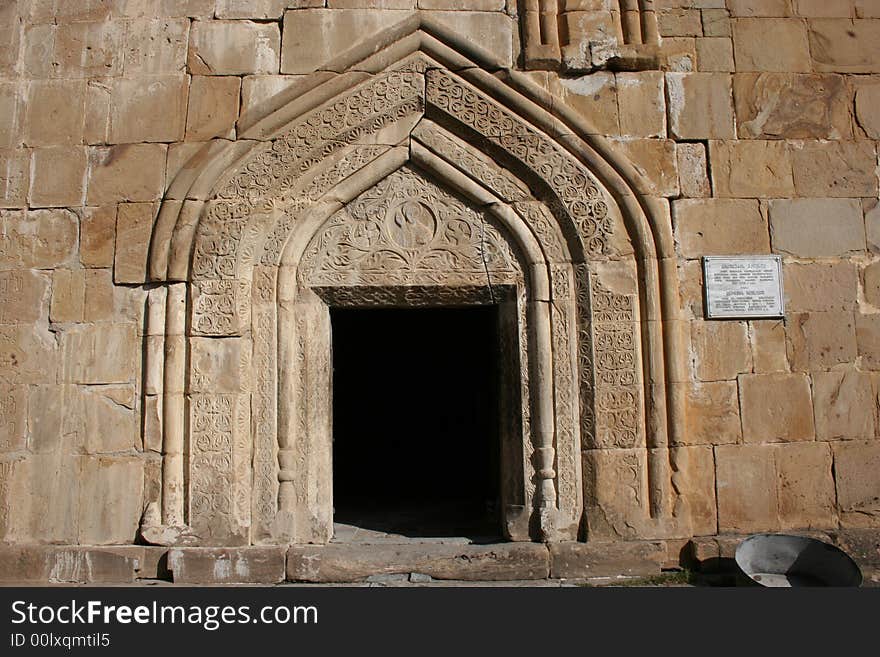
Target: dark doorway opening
416	448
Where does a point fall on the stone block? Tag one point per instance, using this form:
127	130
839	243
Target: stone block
155	46
134	228
745	479
716	22
127	172
816	228
24	296
617	488
835	168
846	46
719	227
244	565
213	107
38	239
50	564
10	38
700	106
58	176
456	5
348	563
776	407
805	486
233	48
867	111
96	124
11	99
856	464
693	177
871	283
85	353
388	4
13	417
720	350
256	9
844	404
694	479
655	160
867	9
28	354
118	483
14	179
219	364
45	490
871	208
99	303
614	559
97	236
148	109
257	89
824	8
50	427
792	106
715	54
690	283
164	8
768	346
68	295
790	51
868	339
712	414
680	22
819	341
820	286
642	104
749	169
594	97
751	8
108	418
314	36
86	49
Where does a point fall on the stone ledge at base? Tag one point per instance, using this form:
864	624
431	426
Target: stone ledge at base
244	565
348	562
54	564
584	560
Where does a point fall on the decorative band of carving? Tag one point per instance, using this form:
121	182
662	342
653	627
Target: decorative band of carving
577	192
617	369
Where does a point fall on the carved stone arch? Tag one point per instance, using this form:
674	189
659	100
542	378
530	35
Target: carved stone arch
604	355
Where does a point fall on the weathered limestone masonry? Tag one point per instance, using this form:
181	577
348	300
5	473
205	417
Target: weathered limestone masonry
187	187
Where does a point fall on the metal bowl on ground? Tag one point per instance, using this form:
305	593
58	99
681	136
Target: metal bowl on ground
781	560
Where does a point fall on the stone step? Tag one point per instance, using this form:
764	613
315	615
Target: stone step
348	563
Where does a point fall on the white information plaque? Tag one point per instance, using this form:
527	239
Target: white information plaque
738	287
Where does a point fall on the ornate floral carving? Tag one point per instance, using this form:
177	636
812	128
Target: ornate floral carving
477	167
220	307
273	169
264	402
617	373
567	447
585	355
576	190
408	231
213	422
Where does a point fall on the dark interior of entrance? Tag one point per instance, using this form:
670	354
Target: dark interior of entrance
415	422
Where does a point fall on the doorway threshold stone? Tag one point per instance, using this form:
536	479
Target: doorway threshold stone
350	562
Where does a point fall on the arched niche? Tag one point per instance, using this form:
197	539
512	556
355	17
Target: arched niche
239	338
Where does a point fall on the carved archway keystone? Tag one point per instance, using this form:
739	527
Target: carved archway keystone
409	176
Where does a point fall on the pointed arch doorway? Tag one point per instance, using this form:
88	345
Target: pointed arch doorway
408	175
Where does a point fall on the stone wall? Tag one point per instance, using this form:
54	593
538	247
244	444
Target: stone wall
757	120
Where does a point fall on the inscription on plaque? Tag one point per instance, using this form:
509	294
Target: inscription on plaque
743	286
